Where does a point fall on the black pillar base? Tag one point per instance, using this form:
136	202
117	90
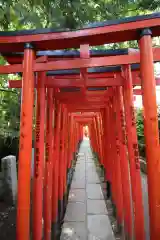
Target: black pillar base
96	155
114	210
102	170
108	187
119	227
60	211
65	201
69	179
56	231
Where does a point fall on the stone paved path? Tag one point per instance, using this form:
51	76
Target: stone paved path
86	215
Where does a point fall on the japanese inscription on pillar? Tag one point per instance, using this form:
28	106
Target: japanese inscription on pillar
37	151
123	127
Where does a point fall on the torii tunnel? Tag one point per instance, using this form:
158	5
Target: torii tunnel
74	88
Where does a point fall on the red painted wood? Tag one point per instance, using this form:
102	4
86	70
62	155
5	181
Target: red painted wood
107	145
93	36
117	165
55	185
79	63
61	156
86	63
65	154
25	148
124	164
151	133
133	154
39	159
48	167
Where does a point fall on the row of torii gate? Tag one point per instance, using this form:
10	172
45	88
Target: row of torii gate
85	87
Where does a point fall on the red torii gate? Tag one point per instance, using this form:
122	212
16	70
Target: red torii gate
98	95
65	101
140	28
110	76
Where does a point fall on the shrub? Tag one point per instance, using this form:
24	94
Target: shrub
140	130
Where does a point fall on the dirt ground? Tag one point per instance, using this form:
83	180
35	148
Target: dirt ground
7	222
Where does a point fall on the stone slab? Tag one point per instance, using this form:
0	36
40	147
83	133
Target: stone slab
96	207
74	231
90	166
80	167
79	176
94	191
89	160
81	154
81	159
99	228
92	177
78	184
77	195
76	212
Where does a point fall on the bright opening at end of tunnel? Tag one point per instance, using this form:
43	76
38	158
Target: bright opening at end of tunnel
85	133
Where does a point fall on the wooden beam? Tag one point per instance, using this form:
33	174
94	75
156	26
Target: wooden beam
102	33
88	63
54	82
80	63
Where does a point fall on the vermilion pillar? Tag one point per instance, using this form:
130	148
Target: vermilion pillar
25	147
39	158
124	165
150	131
96	137
103	138
68	170
65	195
70	143
117	166
133	154
100	127
112	149
61	167
115	161
108	170
107	151
56	172
48	166
74	137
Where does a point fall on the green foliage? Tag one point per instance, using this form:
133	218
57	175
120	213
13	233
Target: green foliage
9	112
140	126
140	129
20	14
149	4
140	132
9	106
